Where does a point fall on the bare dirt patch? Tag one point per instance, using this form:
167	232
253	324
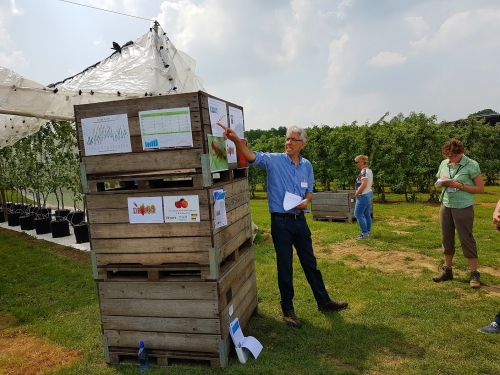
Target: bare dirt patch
24	354
354	255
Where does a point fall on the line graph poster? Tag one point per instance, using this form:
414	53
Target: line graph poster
166	128
106	135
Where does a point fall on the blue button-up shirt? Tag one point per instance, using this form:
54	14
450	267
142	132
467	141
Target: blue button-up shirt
282	176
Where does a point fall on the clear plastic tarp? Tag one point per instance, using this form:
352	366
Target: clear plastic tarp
151	65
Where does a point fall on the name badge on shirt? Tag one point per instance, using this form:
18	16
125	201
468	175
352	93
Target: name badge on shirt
303	184
451	189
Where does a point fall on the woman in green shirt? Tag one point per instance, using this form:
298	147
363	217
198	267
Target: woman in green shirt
461	180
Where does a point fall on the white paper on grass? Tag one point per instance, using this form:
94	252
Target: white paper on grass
292	200
242	343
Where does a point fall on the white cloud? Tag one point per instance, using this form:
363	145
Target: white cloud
383	59
336	48
418	24
14	60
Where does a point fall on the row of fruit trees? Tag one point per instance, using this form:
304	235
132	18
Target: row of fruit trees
43	163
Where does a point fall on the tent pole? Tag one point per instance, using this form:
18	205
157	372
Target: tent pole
4	201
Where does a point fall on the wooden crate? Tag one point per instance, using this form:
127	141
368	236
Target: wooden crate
117	244
170	285
179	319
139	163
336	205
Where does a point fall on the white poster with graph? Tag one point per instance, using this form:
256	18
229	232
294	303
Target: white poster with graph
166	128
106	135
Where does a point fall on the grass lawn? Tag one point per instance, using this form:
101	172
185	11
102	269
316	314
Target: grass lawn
398	321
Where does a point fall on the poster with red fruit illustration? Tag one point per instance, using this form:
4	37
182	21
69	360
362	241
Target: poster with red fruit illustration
145	210
181	208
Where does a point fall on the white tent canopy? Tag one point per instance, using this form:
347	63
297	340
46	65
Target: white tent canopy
149	66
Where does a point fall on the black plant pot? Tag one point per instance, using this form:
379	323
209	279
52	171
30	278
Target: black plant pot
2	217
59	228
13	219
61	213
42	226
76	217
27	222
81	232
43	211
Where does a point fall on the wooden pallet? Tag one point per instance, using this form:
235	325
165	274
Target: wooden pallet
171	271
159	357
346	219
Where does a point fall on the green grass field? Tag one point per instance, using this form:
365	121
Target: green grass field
398	321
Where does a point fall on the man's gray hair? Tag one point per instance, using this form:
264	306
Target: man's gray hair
297	129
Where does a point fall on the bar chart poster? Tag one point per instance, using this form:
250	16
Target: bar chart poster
106	135
166	128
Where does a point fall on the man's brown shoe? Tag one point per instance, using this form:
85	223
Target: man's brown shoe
291	319
333	306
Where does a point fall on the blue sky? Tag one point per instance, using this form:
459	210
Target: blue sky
287	62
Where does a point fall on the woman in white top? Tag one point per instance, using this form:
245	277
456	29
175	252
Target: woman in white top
364	196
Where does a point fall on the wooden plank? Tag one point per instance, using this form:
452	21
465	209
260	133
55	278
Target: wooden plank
160	308
119	355
131	107
245	300
229	232
238	239
191	244
146	161
166	230
153	324
158	290
146	259
231	282
162	340
111	216
119	199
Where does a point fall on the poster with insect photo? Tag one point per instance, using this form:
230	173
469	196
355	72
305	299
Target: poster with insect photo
218	153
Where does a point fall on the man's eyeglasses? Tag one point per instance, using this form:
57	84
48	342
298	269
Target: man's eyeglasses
293	140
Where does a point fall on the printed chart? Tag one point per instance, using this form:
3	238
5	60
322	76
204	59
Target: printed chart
166	128
106	135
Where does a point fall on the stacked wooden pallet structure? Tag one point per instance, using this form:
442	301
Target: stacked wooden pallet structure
334	205
173	285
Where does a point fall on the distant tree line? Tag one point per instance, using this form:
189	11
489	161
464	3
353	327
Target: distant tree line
404	152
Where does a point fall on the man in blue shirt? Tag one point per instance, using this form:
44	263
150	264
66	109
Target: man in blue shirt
290	172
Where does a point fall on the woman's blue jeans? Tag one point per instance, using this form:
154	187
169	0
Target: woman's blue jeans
288	232
362	212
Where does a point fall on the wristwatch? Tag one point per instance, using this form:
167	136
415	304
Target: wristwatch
462	188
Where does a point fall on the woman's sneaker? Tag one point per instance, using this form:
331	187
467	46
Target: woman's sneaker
363	236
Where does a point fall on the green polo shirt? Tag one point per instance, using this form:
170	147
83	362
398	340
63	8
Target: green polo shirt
464	172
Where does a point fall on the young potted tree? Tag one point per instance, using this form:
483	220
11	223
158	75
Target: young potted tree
25	167
56	164
41	180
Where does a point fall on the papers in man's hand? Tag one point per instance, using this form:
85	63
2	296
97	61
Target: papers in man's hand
441	180
242	343
292	200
